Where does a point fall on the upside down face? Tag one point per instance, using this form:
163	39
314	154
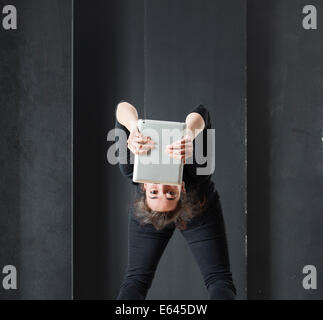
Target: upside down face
161	197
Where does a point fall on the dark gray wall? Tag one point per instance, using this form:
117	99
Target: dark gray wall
285	119
35	149
196	54
285	167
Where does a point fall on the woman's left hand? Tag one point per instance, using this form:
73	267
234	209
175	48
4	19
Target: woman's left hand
182	149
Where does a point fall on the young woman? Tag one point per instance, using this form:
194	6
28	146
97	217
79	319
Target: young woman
194	208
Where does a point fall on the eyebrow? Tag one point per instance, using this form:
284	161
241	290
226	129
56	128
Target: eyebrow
170	199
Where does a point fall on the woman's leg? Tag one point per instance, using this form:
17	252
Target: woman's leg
145	248
207	239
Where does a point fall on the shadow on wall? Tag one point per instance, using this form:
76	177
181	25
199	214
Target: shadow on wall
258	218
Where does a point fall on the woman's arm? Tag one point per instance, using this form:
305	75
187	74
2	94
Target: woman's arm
183	149
127	115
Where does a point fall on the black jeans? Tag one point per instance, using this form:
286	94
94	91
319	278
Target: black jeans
206	237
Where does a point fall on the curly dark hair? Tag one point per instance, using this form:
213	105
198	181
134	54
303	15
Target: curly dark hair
188	206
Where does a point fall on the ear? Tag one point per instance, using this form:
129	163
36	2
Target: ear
145	186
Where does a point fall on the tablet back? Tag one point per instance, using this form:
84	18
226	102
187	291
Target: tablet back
157	166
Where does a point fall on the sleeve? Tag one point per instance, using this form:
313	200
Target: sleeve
125	158
205	114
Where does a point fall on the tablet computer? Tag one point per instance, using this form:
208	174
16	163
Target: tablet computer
157	166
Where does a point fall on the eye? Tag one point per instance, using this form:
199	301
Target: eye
153	191
172	193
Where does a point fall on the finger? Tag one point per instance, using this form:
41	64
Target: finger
176	153
142	152
179	146
137	134
140	146
138	151
178	142
178	157
182	142
140	135
139	139
181	152
143	139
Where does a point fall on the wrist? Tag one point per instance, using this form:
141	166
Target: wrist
189	132
133	125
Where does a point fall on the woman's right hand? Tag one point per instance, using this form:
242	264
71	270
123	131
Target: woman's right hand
137	142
